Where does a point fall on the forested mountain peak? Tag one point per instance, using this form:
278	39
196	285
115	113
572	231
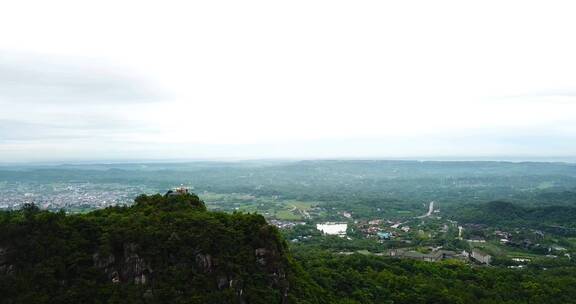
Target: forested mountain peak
162	249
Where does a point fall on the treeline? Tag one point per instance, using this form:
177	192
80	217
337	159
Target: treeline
369	279
501	213
169	249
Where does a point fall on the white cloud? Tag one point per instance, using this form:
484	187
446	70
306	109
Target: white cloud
260	74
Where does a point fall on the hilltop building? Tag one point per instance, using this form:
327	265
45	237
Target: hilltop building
178	191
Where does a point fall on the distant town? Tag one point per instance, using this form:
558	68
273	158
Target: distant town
412	210
72	197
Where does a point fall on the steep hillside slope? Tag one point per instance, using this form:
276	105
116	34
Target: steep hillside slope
163	249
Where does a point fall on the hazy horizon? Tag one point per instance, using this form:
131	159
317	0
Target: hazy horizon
299	80
503	159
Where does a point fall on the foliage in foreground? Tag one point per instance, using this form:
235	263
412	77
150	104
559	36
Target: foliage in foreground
189	255
369	279
160	250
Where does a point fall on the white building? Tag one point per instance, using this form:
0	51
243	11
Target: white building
331	228
481	257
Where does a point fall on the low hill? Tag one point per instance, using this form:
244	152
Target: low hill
507	214
163	249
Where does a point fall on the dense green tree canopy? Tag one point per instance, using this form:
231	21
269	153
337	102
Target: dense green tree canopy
169	249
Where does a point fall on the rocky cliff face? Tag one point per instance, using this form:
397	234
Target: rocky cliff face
130	268
126	268
6	268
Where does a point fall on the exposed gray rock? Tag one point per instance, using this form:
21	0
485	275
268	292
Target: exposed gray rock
222	281
261	254
204	262
130	267
5	267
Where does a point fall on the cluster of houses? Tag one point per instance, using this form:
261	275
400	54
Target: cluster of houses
285	224
503	236
437	254
375	229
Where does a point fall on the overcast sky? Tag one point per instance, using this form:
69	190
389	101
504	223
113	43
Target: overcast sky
135	80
